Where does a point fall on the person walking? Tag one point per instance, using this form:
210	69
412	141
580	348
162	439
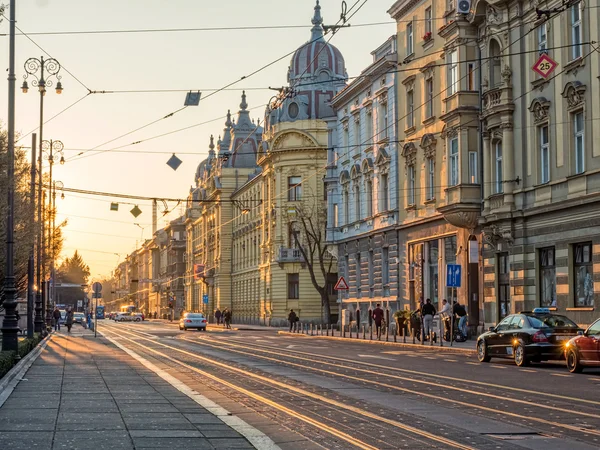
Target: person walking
446	317
460	312
69	319
428	311
218	316
292	318
378	319
227	318
56	318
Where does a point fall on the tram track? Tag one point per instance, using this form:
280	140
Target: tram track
343	410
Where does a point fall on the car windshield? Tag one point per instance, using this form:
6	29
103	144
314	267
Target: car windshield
551	321
195	316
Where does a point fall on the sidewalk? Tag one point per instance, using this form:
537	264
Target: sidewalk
82	392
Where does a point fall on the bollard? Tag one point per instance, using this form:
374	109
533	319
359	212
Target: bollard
364	332
387	330
395	339
441	334
327	329
412	332
344	331
311	329
404	335
371	332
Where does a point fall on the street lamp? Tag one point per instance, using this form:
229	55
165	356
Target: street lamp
60	186
46	68
49	151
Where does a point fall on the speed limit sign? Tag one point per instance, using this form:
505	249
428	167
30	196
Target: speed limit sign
544	66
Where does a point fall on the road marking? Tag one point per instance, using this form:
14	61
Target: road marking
376	357
497	367
473	364
408	352
451	360
561	375
309	346
528	370
429	357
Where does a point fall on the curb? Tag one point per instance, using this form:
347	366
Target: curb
15	375
426	347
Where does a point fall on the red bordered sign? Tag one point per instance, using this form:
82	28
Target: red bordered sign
341	285
544	66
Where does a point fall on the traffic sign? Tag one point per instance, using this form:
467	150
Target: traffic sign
97	287
544	66
341	285
205	299
453	275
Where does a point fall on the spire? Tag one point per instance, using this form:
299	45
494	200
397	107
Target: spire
317	21
211	146
243	105
228	121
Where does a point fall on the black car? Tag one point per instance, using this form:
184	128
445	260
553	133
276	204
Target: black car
536	335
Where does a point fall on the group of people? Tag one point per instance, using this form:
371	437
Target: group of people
56	318
457	311
223	317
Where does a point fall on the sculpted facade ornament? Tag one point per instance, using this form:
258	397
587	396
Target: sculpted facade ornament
409	151
449	132
506	75
574	93
428	143
492	15
428	70
540	108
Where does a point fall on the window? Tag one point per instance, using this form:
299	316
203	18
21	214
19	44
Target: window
293	280
385	266
428	21
383	121
384	192
472	81
579	143
357	135
584	284
335	215
454	168
369	199
503	284
430	179
576	31
411	185
410	109
547	277
429	98
409	39
357	211
543	38
371	269
346	207
473	168
294	188
358	271
544	155
452	60
369	128
499	177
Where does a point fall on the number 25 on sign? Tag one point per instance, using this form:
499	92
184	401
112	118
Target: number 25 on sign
544	66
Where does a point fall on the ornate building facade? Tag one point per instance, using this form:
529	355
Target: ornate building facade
362	177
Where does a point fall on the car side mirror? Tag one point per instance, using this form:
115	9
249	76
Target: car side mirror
581	333
492	328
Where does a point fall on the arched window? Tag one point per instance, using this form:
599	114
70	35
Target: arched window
499	177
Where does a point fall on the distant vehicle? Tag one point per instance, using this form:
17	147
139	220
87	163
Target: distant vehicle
63	315
78	317
536	335
128	309
127	317
138	314
100	312
584	350
192	320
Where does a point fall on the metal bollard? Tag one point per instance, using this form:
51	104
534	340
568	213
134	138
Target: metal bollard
387	332
343	330
364	332
395	339
327	329
412	332
441	334
404	335
311	329
371	332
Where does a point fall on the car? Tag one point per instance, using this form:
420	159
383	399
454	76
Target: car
78	317
137	316
125	317
584	349
192	320
536	335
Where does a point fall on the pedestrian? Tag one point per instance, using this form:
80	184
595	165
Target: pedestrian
378	319
56	317
428	311
89	319
227	317
446	317
218	316
460	312
292	318
69	319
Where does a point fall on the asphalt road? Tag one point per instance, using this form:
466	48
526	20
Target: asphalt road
310	393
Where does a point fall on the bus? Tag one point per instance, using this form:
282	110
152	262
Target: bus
100	312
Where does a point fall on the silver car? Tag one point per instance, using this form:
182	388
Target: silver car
192	320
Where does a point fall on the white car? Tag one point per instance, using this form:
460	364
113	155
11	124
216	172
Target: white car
127	317
192	320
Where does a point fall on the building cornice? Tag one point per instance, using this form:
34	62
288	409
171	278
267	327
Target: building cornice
401	7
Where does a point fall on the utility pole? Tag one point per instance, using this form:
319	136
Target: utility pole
10	326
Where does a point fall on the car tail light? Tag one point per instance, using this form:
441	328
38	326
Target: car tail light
539	336
188	321
203	320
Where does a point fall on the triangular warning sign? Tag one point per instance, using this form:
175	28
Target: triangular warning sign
341	285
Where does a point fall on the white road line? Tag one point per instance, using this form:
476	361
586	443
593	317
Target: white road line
498	367
451	360
528	370
561	375
256	437
429	357
473	364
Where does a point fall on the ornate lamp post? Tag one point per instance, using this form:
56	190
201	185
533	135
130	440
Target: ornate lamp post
46	68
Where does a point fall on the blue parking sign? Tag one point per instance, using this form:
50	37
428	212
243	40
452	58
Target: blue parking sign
453	275
205	299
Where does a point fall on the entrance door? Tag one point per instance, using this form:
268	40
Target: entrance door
503	286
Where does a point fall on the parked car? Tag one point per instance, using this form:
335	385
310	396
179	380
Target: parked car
536	335
584	350
192	320
78	317
127	317
138	315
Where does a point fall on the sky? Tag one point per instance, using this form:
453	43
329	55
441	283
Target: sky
175	62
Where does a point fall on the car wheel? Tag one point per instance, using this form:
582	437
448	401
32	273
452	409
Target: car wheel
180	328
482	352
520	357
138	319
573	363
203	329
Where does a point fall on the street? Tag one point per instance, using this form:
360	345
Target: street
331	394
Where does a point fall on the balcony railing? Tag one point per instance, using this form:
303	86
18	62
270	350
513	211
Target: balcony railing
496	201
289	255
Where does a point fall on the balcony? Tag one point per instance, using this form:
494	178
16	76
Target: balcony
462	206
289	255
497	100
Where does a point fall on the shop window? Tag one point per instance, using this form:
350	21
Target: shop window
503	285
547	277
583	267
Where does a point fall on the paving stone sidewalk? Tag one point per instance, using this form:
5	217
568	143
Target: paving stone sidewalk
84	393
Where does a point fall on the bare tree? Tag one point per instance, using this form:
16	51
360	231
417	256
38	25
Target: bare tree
310	239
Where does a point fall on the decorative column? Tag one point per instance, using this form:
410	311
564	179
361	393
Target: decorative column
487	172
508	162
